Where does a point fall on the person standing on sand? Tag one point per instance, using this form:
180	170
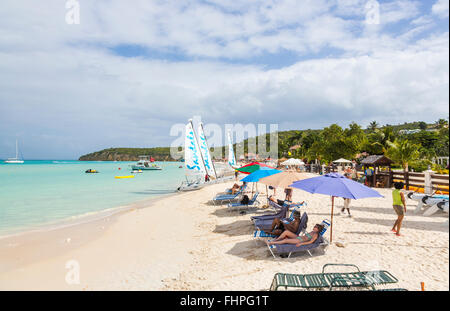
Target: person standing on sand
346	201
399	205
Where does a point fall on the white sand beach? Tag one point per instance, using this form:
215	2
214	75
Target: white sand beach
183	243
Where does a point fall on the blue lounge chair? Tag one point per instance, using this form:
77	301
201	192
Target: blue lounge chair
281	213
252	203
267	223
258	234
228	198
291	248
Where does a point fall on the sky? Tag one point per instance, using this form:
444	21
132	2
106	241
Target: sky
130	70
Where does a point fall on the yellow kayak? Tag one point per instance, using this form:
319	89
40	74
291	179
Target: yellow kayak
123	177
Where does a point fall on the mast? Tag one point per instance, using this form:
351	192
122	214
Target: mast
207	146
17	150
198	146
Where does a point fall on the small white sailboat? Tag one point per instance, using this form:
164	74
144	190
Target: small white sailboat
198	161
15	160
231	157
193	161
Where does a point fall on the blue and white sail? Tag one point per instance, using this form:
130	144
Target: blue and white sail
231	157
205	152
192	156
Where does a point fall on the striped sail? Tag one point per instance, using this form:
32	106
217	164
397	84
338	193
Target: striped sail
231	157
205	151
193	161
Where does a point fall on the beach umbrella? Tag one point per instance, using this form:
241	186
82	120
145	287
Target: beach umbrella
252	167
335	185
341	161
261	173
293	162
285	179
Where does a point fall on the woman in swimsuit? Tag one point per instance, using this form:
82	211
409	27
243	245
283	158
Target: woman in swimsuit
287	237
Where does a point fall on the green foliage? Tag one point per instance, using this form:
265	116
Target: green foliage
403	152
334	142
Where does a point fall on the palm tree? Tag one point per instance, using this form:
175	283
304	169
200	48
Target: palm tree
373	126
403	152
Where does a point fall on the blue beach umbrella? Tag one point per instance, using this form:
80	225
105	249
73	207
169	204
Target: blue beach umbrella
335	185
259	174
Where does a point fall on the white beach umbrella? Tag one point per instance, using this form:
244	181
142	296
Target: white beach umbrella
293	162
341	160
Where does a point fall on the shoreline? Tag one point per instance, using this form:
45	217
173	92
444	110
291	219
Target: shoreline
82	218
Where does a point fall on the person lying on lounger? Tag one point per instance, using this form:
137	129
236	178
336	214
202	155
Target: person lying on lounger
281	202
279	225
287	237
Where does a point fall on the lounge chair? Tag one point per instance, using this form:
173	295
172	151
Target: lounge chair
281	213
281	249
330	280
252	203
267	223
258	234
228	198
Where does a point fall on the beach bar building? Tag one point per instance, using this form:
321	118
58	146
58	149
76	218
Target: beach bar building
380	167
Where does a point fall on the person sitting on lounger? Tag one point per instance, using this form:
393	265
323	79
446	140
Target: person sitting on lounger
236	188
273	199
279	225
288	237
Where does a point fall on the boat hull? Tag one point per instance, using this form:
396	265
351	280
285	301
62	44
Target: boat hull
14	161
156	168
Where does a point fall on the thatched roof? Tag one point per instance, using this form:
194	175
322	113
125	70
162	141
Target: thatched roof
377	160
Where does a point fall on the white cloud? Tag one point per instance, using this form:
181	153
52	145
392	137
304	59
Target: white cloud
61	88
441	8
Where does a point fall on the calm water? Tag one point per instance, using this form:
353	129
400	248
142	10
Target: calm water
44	192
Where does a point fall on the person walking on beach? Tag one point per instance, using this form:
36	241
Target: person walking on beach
399	205
346	201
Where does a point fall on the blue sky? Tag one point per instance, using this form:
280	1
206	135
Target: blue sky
127	73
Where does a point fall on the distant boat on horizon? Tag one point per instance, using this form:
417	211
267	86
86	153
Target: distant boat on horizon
15	160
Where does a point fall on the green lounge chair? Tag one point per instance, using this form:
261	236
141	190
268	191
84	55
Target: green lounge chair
330	280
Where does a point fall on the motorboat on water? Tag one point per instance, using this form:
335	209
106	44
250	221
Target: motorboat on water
91	171
15	160
146	163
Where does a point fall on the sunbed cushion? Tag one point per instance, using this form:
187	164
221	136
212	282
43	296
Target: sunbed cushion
291	248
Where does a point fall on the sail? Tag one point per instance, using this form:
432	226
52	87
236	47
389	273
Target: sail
231	157
192	157
205	151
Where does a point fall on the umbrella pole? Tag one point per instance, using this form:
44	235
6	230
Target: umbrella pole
267	192
332	213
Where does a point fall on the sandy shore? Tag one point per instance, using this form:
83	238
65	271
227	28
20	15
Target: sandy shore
184	243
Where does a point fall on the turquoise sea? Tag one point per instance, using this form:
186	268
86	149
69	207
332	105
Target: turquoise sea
38	193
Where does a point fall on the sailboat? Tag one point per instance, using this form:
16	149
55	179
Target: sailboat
231	157
193	161
15	160
200	169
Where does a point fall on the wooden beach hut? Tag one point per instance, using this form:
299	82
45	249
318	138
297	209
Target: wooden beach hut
381	176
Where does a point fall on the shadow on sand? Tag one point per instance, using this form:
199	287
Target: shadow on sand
257	250
420	225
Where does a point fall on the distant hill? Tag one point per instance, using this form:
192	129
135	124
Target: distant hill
128	154
286	140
